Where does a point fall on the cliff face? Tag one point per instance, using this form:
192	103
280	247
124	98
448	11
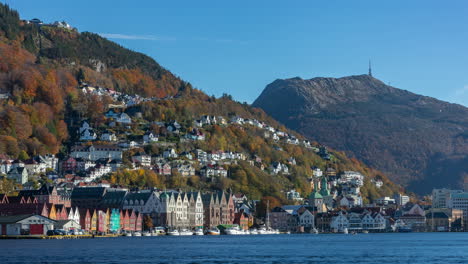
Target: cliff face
418	141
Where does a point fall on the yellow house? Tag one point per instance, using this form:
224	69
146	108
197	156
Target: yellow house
94	219
53	212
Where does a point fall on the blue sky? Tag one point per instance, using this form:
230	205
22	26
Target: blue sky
238	47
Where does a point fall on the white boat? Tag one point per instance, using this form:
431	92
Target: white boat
173	233
185	232
314	231
158	231
129	234
234	230
137	234
213	232
198	232
146	233
253	231
345	230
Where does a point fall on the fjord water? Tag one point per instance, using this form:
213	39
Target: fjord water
411	248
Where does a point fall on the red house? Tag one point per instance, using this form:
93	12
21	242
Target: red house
132	220
61	212
101	221
126	222
85	219
69	165
138	222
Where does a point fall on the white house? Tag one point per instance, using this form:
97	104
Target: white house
108	136
278	167
123	118
142	159
19	174
170	153
306	219
150	137
96	152
339	223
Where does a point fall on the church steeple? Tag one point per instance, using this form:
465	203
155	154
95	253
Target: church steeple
324	190
370	69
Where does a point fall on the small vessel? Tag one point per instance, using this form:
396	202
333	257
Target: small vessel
128	234
288	232
345	230
234	230
213	232
174	232
198	232
365	232
158	231
314	231
253	231
262	231
185	232
147	233
137	234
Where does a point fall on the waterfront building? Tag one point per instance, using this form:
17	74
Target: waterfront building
460	201
29	224
441	197
67	225
444	220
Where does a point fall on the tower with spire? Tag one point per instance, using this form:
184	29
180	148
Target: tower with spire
370	68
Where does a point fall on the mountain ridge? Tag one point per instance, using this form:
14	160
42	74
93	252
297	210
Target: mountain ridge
365	117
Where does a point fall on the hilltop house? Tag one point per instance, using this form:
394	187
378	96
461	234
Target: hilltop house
96	152
19	174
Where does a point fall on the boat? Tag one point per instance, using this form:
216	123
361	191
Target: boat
263	231
345	230
174	232
234	230
314	231
365	232
128	234
158	231
198	232
137	234
185	232
213	232
253	231
147	233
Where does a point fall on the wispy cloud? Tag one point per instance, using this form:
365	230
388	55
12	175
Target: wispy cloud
221	40
459	96
136	37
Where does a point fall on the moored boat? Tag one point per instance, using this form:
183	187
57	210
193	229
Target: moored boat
158	231
198	232
147	233
174	232
213	232
253	231
137	234
185	232
234	230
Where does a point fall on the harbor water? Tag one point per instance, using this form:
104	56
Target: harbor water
414	248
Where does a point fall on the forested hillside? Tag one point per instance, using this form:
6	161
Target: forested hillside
42	67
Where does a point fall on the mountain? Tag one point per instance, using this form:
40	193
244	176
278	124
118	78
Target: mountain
47	70
418	141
